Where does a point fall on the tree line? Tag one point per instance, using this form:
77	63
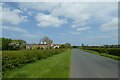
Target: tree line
10	44
102	46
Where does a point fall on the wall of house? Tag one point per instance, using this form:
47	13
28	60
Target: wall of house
36	46
42	46
56	47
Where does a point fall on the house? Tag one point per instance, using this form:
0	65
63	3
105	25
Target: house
42	46
44	43
36	46
55	46
13	46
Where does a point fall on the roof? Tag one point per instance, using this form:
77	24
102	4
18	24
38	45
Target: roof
35	44
56	44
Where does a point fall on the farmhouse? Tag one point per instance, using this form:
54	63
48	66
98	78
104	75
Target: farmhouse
55	46
36	46
42	46
44	43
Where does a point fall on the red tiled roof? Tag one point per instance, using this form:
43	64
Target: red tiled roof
56	44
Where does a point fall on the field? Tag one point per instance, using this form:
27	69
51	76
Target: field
56	66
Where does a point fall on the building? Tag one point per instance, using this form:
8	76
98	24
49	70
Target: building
43	45
55	46
36	46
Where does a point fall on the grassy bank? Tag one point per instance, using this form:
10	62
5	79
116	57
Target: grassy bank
57	66
104	54
0	64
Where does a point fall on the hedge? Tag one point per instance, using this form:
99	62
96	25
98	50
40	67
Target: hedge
13	59
111	51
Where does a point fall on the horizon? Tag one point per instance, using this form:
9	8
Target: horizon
74	23
62	43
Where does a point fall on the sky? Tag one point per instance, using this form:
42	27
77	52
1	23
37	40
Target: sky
90	23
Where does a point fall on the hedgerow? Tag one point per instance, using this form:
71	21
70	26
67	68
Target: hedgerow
114	51
14	59
111	51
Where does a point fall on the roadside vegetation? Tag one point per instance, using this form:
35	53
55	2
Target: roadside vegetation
106	51
12	44
9	44
57	66
15	59
0	64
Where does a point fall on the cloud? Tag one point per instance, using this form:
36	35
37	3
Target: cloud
99	37
28	35
74	26
61	1
83	13
13	17
39	6
1	13
30	13
79	16
17	29
48	20
79	13
73	11
83	28
74	32
110	26
78	30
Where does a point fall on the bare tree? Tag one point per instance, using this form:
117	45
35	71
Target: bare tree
47	41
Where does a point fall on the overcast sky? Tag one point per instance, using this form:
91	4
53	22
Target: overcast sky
76	23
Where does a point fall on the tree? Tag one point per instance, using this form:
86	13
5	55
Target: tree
5	43
75	46
47	40
9	44
66	45
18	44
62	46
82	45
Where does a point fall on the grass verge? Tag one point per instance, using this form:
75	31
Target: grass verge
0	64
104	54
57	66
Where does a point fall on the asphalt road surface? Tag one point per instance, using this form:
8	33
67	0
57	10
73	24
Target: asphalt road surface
88	65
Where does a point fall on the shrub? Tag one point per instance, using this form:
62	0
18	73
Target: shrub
111	51
114	51
13	59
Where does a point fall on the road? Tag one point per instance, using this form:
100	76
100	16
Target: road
88	65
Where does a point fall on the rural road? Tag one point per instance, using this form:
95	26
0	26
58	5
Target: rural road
87	65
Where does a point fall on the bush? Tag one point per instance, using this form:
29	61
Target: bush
114	51
13	59
111	51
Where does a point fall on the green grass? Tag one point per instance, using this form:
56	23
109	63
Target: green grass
57	66
103	54
0	64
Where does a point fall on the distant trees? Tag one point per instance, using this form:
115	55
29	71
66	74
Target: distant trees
17	44
83	45
5	43
102	46
9	44
75	46
67	45
47	41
